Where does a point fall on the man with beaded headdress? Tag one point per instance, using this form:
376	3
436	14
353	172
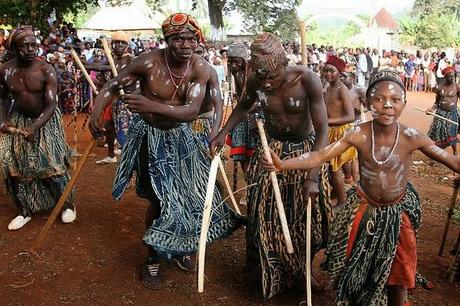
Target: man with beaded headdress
34	157
172	165
442	132
295	119
371	252
243	137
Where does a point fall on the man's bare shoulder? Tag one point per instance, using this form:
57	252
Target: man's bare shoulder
303	74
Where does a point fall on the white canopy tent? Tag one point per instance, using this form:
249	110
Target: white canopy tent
135	18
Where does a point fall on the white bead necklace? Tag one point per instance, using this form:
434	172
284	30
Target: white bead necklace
381	162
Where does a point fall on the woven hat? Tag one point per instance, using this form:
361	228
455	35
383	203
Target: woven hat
267	53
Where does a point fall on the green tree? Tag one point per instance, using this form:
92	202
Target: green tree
36	12
274	16
428	7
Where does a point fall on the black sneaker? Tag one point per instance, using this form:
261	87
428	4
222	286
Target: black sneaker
184	262
151	272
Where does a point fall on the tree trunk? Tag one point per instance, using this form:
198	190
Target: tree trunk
217	20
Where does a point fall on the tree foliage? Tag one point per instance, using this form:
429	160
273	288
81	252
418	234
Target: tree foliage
434	23
274	16
36	12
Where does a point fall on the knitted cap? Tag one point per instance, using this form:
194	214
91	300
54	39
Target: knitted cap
267	53
385	75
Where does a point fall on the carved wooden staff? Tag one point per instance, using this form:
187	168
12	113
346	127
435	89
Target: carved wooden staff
436	115
308	253
44	232
206	220
276	189
449	216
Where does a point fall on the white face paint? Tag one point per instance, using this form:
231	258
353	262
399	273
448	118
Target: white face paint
149	66
106	94
146	62
364	138
411	132
158	73
167	82
373	112
151	77
196	91
388	104
391	86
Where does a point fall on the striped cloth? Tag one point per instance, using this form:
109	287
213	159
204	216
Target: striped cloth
36	173
178	168
444	133
264	238
361	278
121	117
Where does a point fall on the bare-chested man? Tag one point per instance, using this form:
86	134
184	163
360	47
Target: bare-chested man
35	161
172	170
371	253
295	120
207	124
442	132
243	137
340	118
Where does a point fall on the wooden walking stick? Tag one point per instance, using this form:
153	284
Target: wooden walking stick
44	232
206	220
436	115
276	189
229	189
108	54
308	253
68	188
449	216
83	70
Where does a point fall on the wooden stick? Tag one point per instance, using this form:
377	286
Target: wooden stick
303	42
68	188
229	189
455	265
83	70
450	212
206	220
436	115
276	189
308	253
108	54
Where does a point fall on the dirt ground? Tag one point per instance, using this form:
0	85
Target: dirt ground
97	260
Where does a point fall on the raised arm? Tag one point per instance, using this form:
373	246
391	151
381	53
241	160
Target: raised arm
311	159
111	89
427	147
348	115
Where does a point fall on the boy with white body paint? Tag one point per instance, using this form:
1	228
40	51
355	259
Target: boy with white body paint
371	254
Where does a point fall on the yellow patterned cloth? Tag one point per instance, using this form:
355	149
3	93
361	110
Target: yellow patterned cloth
334	134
